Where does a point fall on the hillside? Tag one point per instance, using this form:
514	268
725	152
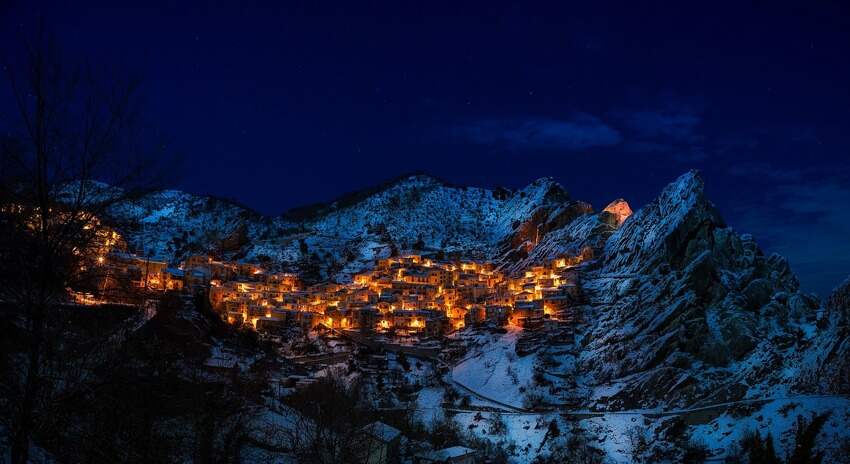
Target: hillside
674	297
414	213
679	312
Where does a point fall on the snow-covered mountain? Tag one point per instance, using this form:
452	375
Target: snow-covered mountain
679	310
683	310
413	213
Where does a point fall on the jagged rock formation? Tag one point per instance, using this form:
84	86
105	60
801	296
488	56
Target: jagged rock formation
618	211
839	302
684	310
832	371
585	235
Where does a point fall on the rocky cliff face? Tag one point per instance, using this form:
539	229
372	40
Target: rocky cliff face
839	302
832	371
682	310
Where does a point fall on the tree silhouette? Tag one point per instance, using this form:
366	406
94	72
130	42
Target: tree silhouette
75	131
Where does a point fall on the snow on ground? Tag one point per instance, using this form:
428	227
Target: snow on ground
778	418
497	373
523	435
417	373
156	215
471	221
611	432
429	404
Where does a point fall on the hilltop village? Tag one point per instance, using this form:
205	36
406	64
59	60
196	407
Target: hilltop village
411	295
408	295
403	328
593	334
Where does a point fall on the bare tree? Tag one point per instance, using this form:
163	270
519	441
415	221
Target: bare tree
80	154
327	419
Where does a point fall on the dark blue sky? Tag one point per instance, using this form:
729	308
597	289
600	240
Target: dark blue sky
287	105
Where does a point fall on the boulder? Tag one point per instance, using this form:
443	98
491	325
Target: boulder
758	293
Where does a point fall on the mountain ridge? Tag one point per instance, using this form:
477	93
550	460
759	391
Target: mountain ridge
675	309
471	221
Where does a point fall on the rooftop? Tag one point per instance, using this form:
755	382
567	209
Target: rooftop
382	431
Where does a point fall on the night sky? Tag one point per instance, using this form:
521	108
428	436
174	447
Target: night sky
282	106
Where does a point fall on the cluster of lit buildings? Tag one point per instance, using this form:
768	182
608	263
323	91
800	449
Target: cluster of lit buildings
407	295
410	295
108	273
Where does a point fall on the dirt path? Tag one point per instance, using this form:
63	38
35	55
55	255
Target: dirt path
478	395
691	416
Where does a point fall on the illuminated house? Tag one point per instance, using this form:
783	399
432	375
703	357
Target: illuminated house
196	277
524	312
140	272
410	260
363	278
172	279
420	322
498	314
369	319
408	295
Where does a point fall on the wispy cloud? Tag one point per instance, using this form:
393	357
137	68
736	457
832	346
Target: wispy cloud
676	125
764	171
672	128
804	220
578	132
825	201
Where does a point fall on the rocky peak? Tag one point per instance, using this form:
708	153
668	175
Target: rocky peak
548	209
417	180
548	189
671	228
617	212
839	301
685	295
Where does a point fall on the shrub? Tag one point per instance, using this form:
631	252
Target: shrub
758	450
636	437
445	433
403	362
540	378
532	400
806	434
784	410
762	451
572	448
695	452
497	425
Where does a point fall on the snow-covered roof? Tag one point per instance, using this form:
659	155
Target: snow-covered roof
220	363
447	453
385	433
